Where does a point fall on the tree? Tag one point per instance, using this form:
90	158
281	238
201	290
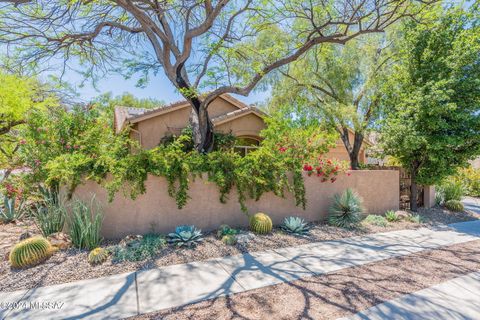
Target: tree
341	86
18	97
205	48
433	98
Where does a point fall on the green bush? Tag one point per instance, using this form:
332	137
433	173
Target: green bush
451	190
148	247
261	223
391	216
376	220
415	218
470	178
30	252
346	210
454	205
50	215
85	224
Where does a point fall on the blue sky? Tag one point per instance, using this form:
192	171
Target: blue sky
159	87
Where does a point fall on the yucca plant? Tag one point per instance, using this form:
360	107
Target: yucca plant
85	224
346	210
295	225
10	211
98	256
454	205
50	216
391	216
261	223
30	252
187	236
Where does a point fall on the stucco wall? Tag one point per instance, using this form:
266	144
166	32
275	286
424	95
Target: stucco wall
156	211
248	125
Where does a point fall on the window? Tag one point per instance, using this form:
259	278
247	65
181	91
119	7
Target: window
244	145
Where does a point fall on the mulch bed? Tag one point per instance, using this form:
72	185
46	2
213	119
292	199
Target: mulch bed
337	294
71	265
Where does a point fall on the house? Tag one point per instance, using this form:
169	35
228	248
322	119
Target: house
228	114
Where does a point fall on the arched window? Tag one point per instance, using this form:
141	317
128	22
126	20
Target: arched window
244	145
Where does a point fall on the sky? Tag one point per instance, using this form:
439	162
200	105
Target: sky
159	87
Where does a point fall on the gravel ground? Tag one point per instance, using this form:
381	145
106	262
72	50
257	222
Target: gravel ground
337	294
71	265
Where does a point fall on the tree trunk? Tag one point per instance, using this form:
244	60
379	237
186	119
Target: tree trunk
413	191
353	152
202	128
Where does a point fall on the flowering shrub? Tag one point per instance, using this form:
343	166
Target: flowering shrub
326	169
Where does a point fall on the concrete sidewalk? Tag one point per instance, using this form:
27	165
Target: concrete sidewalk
140	292
450	300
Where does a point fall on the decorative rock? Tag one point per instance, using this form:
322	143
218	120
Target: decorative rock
25	235
131	241
60	240
403	215
244	237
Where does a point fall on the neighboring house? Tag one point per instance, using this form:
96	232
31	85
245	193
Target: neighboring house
228	115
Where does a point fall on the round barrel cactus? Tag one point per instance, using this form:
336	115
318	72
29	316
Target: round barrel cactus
30	252
261	223
97	256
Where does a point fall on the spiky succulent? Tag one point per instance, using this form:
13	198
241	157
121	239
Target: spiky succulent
261	223
10	212
187	236
346	210
415	218
30	252
98	256
454	205
225	229
391	216
295	225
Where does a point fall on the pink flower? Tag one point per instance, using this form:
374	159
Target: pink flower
67	146
282	149
23	141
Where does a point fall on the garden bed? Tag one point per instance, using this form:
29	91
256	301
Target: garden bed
71	265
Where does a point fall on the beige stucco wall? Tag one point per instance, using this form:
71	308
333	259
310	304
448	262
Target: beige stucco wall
156	211
248	125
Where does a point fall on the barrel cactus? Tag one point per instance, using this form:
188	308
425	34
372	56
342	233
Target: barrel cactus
229	239
30	252
97	256
261	223
454	205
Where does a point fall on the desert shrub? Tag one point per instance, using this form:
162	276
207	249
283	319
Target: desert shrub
261	223
85	224
10	210
49	214
98	256
470	178
376	220
415	218
185	236
454	205
30	252
451	190
295	225
148	247
391	216
346	210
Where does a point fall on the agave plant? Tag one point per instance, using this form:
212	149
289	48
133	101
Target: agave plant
295	225
346	210
185	236
10	211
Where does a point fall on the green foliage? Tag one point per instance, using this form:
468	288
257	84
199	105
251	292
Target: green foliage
470	179
376	220
187	236
433	94
229	239
148	247
346	210
450	190
225	230
98	256
85	224
454	205
50	214
30	252
295	225
10	211
415	218
391	216
261	223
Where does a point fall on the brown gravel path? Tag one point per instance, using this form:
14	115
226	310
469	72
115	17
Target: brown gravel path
340	293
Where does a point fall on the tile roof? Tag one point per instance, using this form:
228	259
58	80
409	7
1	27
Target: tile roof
234	114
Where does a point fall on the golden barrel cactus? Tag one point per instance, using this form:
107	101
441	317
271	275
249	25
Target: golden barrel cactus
261	223
30	252
97	256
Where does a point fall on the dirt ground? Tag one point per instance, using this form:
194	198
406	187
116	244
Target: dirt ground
337	294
